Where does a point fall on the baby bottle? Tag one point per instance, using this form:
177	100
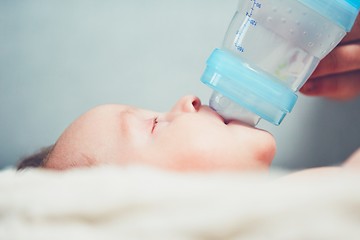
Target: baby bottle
270	49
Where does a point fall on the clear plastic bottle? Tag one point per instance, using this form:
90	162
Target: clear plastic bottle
270	49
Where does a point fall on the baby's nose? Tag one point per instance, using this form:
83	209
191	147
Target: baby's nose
187	104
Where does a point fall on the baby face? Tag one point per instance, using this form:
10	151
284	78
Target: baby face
189	137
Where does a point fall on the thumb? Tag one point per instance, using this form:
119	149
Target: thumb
340	87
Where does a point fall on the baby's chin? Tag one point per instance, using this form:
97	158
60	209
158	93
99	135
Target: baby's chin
259	141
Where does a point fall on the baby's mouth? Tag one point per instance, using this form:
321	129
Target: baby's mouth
239	123
214	113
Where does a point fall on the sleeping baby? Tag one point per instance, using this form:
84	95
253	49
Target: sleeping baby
190	137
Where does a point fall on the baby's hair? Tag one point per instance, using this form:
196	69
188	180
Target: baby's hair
36	160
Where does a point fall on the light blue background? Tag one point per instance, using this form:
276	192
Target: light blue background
61	58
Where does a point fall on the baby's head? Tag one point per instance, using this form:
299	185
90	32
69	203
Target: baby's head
189	137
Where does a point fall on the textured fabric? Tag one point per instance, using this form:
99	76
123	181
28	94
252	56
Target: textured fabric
143	203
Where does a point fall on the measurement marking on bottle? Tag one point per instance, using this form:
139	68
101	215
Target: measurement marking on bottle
249	22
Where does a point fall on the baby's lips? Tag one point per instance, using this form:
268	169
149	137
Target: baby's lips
212	112
239	123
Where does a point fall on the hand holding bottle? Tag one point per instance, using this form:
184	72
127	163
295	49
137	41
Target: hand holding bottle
338	74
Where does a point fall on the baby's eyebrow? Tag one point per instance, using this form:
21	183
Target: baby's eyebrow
85	161
124	121
82	160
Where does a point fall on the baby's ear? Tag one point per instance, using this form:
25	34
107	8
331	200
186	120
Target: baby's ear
36	160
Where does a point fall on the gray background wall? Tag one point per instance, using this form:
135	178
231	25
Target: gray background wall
60	58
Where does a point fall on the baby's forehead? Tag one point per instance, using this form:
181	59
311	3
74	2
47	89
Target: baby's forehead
110	108
129	109
101	113
121	108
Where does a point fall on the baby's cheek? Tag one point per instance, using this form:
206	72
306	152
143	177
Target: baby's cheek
197	155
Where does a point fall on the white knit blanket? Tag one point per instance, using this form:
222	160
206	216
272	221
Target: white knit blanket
142	203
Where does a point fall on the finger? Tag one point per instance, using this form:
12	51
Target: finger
354	160
354	35
342	59
340	87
